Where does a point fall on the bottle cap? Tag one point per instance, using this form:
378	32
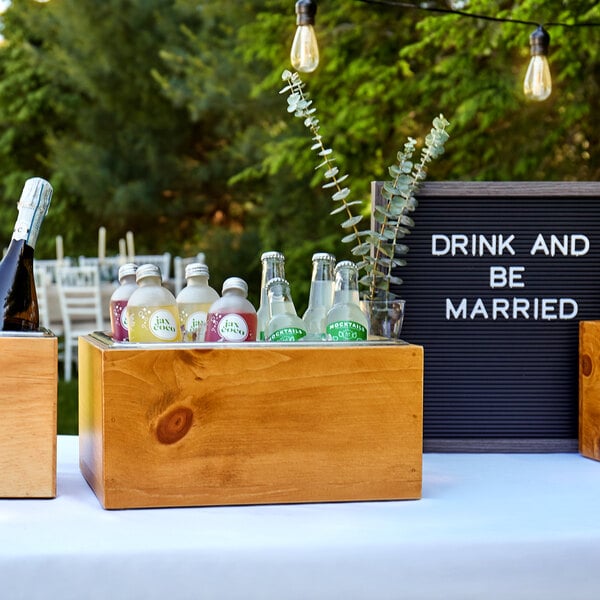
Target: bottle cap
195	269
147	270
235	283
272	254
323	256
346	264
277	281
126	270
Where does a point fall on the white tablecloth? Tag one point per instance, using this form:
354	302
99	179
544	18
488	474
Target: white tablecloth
489	526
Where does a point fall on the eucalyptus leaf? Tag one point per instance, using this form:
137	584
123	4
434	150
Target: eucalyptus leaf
378	246
352	221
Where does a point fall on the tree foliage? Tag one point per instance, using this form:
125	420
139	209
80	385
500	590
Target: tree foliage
163	116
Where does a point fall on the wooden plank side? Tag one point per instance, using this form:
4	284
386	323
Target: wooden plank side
28	405
91	411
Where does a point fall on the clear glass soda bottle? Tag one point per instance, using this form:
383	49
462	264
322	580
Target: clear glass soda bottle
284	325
346	321
194	301
232	318
321	295
152	309
119	323
273	265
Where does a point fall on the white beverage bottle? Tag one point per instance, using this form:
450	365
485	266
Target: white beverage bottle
321	295
284	325
232	318
119	323
152	310
194	301
273	265
346	322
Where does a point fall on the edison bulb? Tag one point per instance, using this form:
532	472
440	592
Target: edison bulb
538	82
305	50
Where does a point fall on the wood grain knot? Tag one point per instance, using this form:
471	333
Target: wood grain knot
586	365
174	425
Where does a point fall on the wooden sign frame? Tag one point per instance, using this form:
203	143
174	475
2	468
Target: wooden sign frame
498	276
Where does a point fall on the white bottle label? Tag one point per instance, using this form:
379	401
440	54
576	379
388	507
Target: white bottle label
124	320
233	328
163	325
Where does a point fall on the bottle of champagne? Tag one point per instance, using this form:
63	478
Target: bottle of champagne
18	297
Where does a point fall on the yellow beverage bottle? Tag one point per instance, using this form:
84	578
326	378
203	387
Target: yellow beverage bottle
193	302
152	310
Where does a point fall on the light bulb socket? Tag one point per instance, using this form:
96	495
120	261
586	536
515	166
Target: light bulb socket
539	42
305	12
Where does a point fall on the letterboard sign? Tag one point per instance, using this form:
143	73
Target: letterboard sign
498	277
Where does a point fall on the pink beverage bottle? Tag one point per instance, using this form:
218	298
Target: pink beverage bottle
118	302
232	318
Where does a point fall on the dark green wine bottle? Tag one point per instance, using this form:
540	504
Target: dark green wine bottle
18	297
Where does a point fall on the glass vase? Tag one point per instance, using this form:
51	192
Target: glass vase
385	316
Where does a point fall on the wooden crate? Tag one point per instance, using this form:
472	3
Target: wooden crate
250	423
589	389
28	396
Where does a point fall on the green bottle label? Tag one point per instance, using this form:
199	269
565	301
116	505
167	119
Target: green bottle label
287	334
346	331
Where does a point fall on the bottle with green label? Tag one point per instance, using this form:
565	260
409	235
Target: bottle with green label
152	312
284	324
193	302
321	295
273	265
346	322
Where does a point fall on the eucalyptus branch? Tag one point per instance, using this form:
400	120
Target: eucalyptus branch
302	108
400	200
378	248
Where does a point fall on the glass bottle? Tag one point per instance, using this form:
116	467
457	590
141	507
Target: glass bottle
152	309
284	324
232	318
119	324
273	265
345	320
193	302
321	295
18	297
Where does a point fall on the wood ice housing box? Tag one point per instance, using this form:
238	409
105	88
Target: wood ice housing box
28	399
196	425
589	389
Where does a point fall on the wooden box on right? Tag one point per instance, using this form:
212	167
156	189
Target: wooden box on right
589	389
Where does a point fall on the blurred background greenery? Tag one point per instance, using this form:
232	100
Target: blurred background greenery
163	116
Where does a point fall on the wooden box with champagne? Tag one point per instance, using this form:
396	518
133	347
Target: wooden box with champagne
252	423
28	397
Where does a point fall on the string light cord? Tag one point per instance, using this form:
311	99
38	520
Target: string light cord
463	13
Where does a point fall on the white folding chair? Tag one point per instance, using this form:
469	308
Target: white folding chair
42	279
108	266
81	308
51	265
